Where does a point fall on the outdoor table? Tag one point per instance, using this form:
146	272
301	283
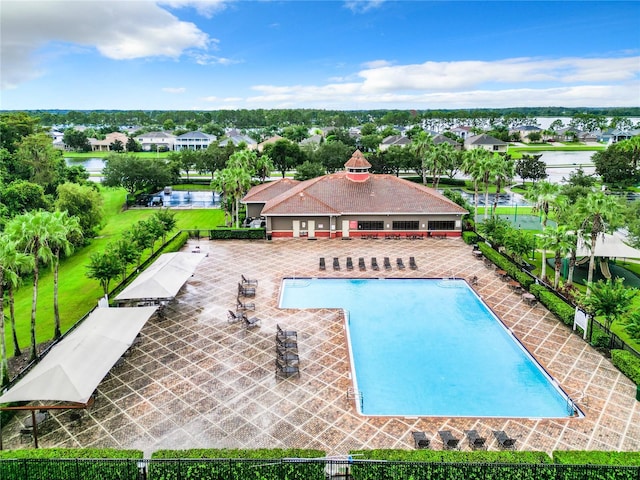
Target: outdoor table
501	273
513	285
529	298
477	254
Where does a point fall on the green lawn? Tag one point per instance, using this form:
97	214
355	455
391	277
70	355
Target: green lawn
77	293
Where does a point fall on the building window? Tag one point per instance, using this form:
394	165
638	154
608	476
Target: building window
370	225
442	225
406	225
496	148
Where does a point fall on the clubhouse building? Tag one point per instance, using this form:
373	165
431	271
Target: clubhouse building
353	203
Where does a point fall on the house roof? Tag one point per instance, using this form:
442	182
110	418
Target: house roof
357	160
266	191
156	135
438	139
484	139
336	194
196	134
396	140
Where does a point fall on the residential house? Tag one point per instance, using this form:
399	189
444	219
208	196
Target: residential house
273	139
193	141
152	140
524	130
105	145
353	203
487	142
394	141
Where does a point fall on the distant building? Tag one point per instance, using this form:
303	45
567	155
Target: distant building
394	141
151	140
193	141
105	145
353	203
487	142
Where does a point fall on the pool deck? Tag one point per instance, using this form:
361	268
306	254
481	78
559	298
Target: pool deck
198	381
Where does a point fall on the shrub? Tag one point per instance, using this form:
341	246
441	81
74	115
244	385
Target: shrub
265	464
512	269
578	457
176	243
470	238
238	234
69	463
556	305
629	365
599	339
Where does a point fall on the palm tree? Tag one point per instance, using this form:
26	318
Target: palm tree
487	164
31	232
566	215
543	195
421	145
561	241
441	155
235	180
11	262
601	213
504	170
471	165
62	229
610	299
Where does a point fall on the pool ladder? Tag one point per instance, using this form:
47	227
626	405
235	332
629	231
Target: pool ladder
353	394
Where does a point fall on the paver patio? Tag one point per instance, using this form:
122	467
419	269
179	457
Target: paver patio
197	380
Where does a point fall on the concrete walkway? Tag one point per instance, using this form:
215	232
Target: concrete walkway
196	380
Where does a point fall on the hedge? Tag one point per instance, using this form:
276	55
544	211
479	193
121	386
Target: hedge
176	243
445	465
559	307
506	264
68	463
581	457
476	456
470	238
628	364
238	234
264	464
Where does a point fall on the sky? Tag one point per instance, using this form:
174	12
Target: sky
332	54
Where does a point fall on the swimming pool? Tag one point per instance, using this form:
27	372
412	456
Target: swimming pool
431	347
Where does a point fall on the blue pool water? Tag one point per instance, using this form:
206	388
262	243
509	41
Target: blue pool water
431	348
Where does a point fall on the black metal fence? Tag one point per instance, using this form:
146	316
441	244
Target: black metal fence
299	469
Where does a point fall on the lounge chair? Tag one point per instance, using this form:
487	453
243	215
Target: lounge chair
387	263
374	264
250	322
349	263
336	263
504	440
246	281
243	307
361	264
284	334
420	440
412	263
287	357
323	265
246	291
400	264
475	440
286	344
233	317
474	280
450	442
286	370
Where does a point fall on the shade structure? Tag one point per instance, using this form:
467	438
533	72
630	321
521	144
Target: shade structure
606	246
74	367
163	279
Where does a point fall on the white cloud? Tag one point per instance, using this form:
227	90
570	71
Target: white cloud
362	6
206	8
174	89
571	82
120	30
377	64
206	59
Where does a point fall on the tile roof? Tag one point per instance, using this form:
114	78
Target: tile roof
357	160
266	191
336	194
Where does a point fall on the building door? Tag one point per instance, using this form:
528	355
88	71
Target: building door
345	228
296	228
311	230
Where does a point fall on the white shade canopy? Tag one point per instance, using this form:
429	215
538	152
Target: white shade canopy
75	366
164	278
606	246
